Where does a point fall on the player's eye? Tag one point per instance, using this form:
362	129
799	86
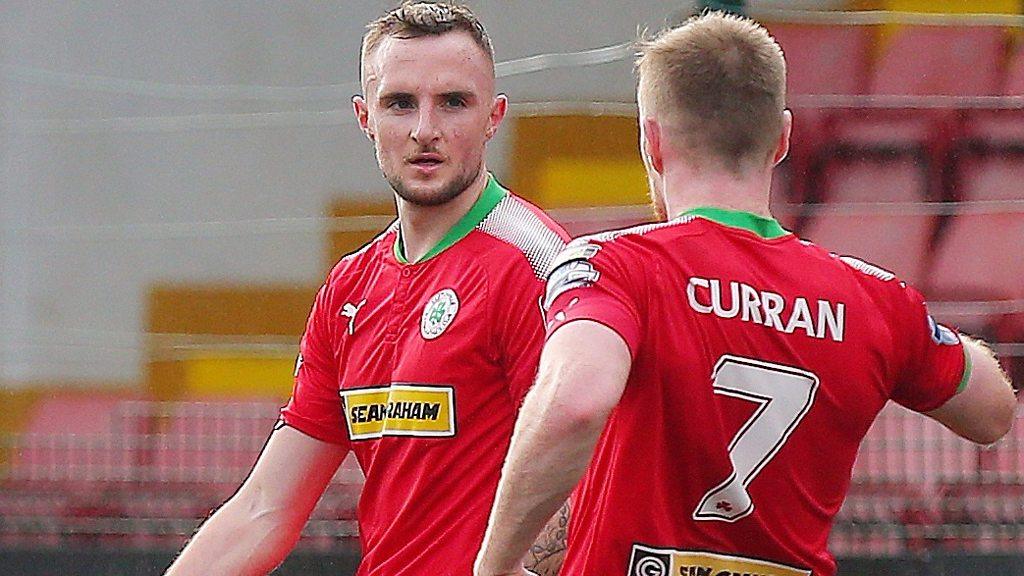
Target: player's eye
401	104
455	102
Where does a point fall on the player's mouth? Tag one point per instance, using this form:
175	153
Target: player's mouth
426	163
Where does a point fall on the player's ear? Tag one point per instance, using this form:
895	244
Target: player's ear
651	144
498	110
362	112
782	146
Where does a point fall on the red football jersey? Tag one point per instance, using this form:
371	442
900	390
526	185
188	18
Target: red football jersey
420	369
759	363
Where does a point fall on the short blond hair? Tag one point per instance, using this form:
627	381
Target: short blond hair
719	81
414	19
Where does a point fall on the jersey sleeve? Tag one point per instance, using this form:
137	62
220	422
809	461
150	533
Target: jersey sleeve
589	281
933	362
315	406
519	328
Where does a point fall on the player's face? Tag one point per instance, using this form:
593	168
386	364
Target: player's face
429	109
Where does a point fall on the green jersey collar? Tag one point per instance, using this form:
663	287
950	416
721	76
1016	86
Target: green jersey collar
489	198
767	228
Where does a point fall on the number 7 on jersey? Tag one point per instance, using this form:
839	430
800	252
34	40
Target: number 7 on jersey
784	396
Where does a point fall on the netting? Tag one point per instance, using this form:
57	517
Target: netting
926	182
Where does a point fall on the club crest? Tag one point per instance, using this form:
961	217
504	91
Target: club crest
439	313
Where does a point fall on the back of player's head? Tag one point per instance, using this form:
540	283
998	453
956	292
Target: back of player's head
718	84
415	19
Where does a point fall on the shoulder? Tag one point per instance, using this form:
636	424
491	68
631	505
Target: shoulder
520	227
882	287
622	244
366	255
642	231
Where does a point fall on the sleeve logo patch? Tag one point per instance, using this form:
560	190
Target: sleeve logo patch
647	561
942	335
399	410
569	275
572	252
439	313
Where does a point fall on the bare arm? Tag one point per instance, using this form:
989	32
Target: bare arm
558	427
256	528
982	412
548	550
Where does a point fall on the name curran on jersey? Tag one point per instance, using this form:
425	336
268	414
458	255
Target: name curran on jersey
749	304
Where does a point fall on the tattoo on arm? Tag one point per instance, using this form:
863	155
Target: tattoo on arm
548	551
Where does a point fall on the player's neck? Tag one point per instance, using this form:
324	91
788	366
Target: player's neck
686	189
423	227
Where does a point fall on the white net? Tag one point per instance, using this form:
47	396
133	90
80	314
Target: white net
186	169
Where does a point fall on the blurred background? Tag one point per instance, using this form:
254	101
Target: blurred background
178	177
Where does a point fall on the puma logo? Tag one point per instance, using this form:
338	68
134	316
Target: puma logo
349	311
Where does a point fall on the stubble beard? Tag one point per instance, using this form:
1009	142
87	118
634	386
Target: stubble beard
449	192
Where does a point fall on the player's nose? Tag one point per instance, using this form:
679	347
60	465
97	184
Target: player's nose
427	127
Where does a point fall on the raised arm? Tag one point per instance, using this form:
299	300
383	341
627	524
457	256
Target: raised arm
983	411
583	372
256	528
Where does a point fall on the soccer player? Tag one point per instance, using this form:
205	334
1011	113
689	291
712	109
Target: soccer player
720	371
421	345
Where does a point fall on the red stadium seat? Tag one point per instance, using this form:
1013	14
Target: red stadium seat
881	518
820	60
983	516
994	176
936	60
1014	85
925	133
896	241
824	59
979	253
884	129
210	442
76	439
903	446
979	258
992	128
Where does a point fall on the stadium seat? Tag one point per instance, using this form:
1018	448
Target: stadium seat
76	439
978	258
991	175
210	442
1014	85
824	59
983	516
992	129
936	60
876	133
895	241
820	60
970	264
878	518
903	446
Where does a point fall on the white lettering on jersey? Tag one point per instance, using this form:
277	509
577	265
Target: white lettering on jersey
749	304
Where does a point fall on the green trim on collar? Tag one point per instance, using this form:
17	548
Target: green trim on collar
968	368
767	228
489	198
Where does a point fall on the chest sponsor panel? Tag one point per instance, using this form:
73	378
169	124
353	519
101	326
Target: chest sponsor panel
399	410
648	561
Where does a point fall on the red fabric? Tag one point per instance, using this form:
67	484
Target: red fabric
425	502
668	443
